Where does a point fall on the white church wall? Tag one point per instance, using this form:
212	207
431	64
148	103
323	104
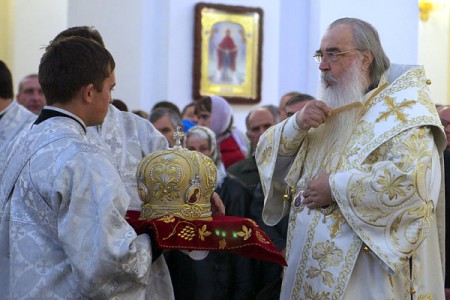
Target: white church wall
152	41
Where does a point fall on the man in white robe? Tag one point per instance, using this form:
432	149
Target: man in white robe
127	139
13	117
360	175
62	201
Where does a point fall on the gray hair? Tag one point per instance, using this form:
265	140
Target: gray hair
366	38
208	135
163	111
299	98
270	108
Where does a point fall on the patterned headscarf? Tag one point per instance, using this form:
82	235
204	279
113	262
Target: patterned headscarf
214	153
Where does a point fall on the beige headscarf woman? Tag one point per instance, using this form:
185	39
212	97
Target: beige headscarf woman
208	135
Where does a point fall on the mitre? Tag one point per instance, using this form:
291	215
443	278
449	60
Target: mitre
176	182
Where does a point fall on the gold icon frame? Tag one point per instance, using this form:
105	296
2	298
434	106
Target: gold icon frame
240	81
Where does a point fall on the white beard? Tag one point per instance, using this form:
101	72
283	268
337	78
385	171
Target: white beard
326	142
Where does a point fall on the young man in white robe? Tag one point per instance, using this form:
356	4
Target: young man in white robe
62	201
13	117
359	172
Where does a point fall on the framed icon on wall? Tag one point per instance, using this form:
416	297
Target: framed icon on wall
227	52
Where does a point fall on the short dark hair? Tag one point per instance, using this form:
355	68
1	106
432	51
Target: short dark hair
186	108
204	103
69	64
120	105
6	83
158	113
88	32
299	98
167	104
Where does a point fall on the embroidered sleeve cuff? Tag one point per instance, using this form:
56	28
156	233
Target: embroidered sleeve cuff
291	138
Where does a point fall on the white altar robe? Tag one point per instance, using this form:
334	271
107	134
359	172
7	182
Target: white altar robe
59	236
384	240
15	119
128	138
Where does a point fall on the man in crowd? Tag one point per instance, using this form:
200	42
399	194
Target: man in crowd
13	117
62	202
296	103
359	173
166	121
284	99
257	122
30	94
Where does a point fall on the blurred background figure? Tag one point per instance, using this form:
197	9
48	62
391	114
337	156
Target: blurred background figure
119	104
266	274
188	116
283	101
13	117
220	275
141	113
167	104
216	113
188	113
296	103
257	122
30	94
166	121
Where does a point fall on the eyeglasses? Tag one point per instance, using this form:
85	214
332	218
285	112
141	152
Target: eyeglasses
445	123
330	56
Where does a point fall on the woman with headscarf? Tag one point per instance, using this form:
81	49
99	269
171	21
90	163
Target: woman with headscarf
220	275
215	113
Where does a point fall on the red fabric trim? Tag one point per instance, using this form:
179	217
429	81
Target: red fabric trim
241	236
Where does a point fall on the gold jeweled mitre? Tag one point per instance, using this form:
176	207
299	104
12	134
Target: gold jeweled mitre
177	182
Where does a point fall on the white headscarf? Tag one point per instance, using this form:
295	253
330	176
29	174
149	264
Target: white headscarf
221	114
214	153
220	120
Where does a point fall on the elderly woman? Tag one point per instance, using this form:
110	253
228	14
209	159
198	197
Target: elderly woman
220	275
215	113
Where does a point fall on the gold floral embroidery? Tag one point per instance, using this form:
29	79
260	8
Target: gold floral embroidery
167	219
356	192
167	180
202	232
391	185
310	294
246	232
264	158
425	297
338	219
222	244
327	254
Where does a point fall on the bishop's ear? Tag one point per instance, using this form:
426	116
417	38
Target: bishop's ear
367	59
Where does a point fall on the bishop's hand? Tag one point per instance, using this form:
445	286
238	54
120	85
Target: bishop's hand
318	192
314	114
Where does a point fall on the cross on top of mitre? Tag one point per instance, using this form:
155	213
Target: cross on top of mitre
178	135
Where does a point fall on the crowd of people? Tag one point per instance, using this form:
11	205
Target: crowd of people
349	185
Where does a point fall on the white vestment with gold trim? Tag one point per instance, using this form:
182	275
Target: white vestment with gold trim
384	240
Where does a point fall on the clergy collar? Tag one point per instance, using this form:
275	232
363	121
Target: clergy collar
52	111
